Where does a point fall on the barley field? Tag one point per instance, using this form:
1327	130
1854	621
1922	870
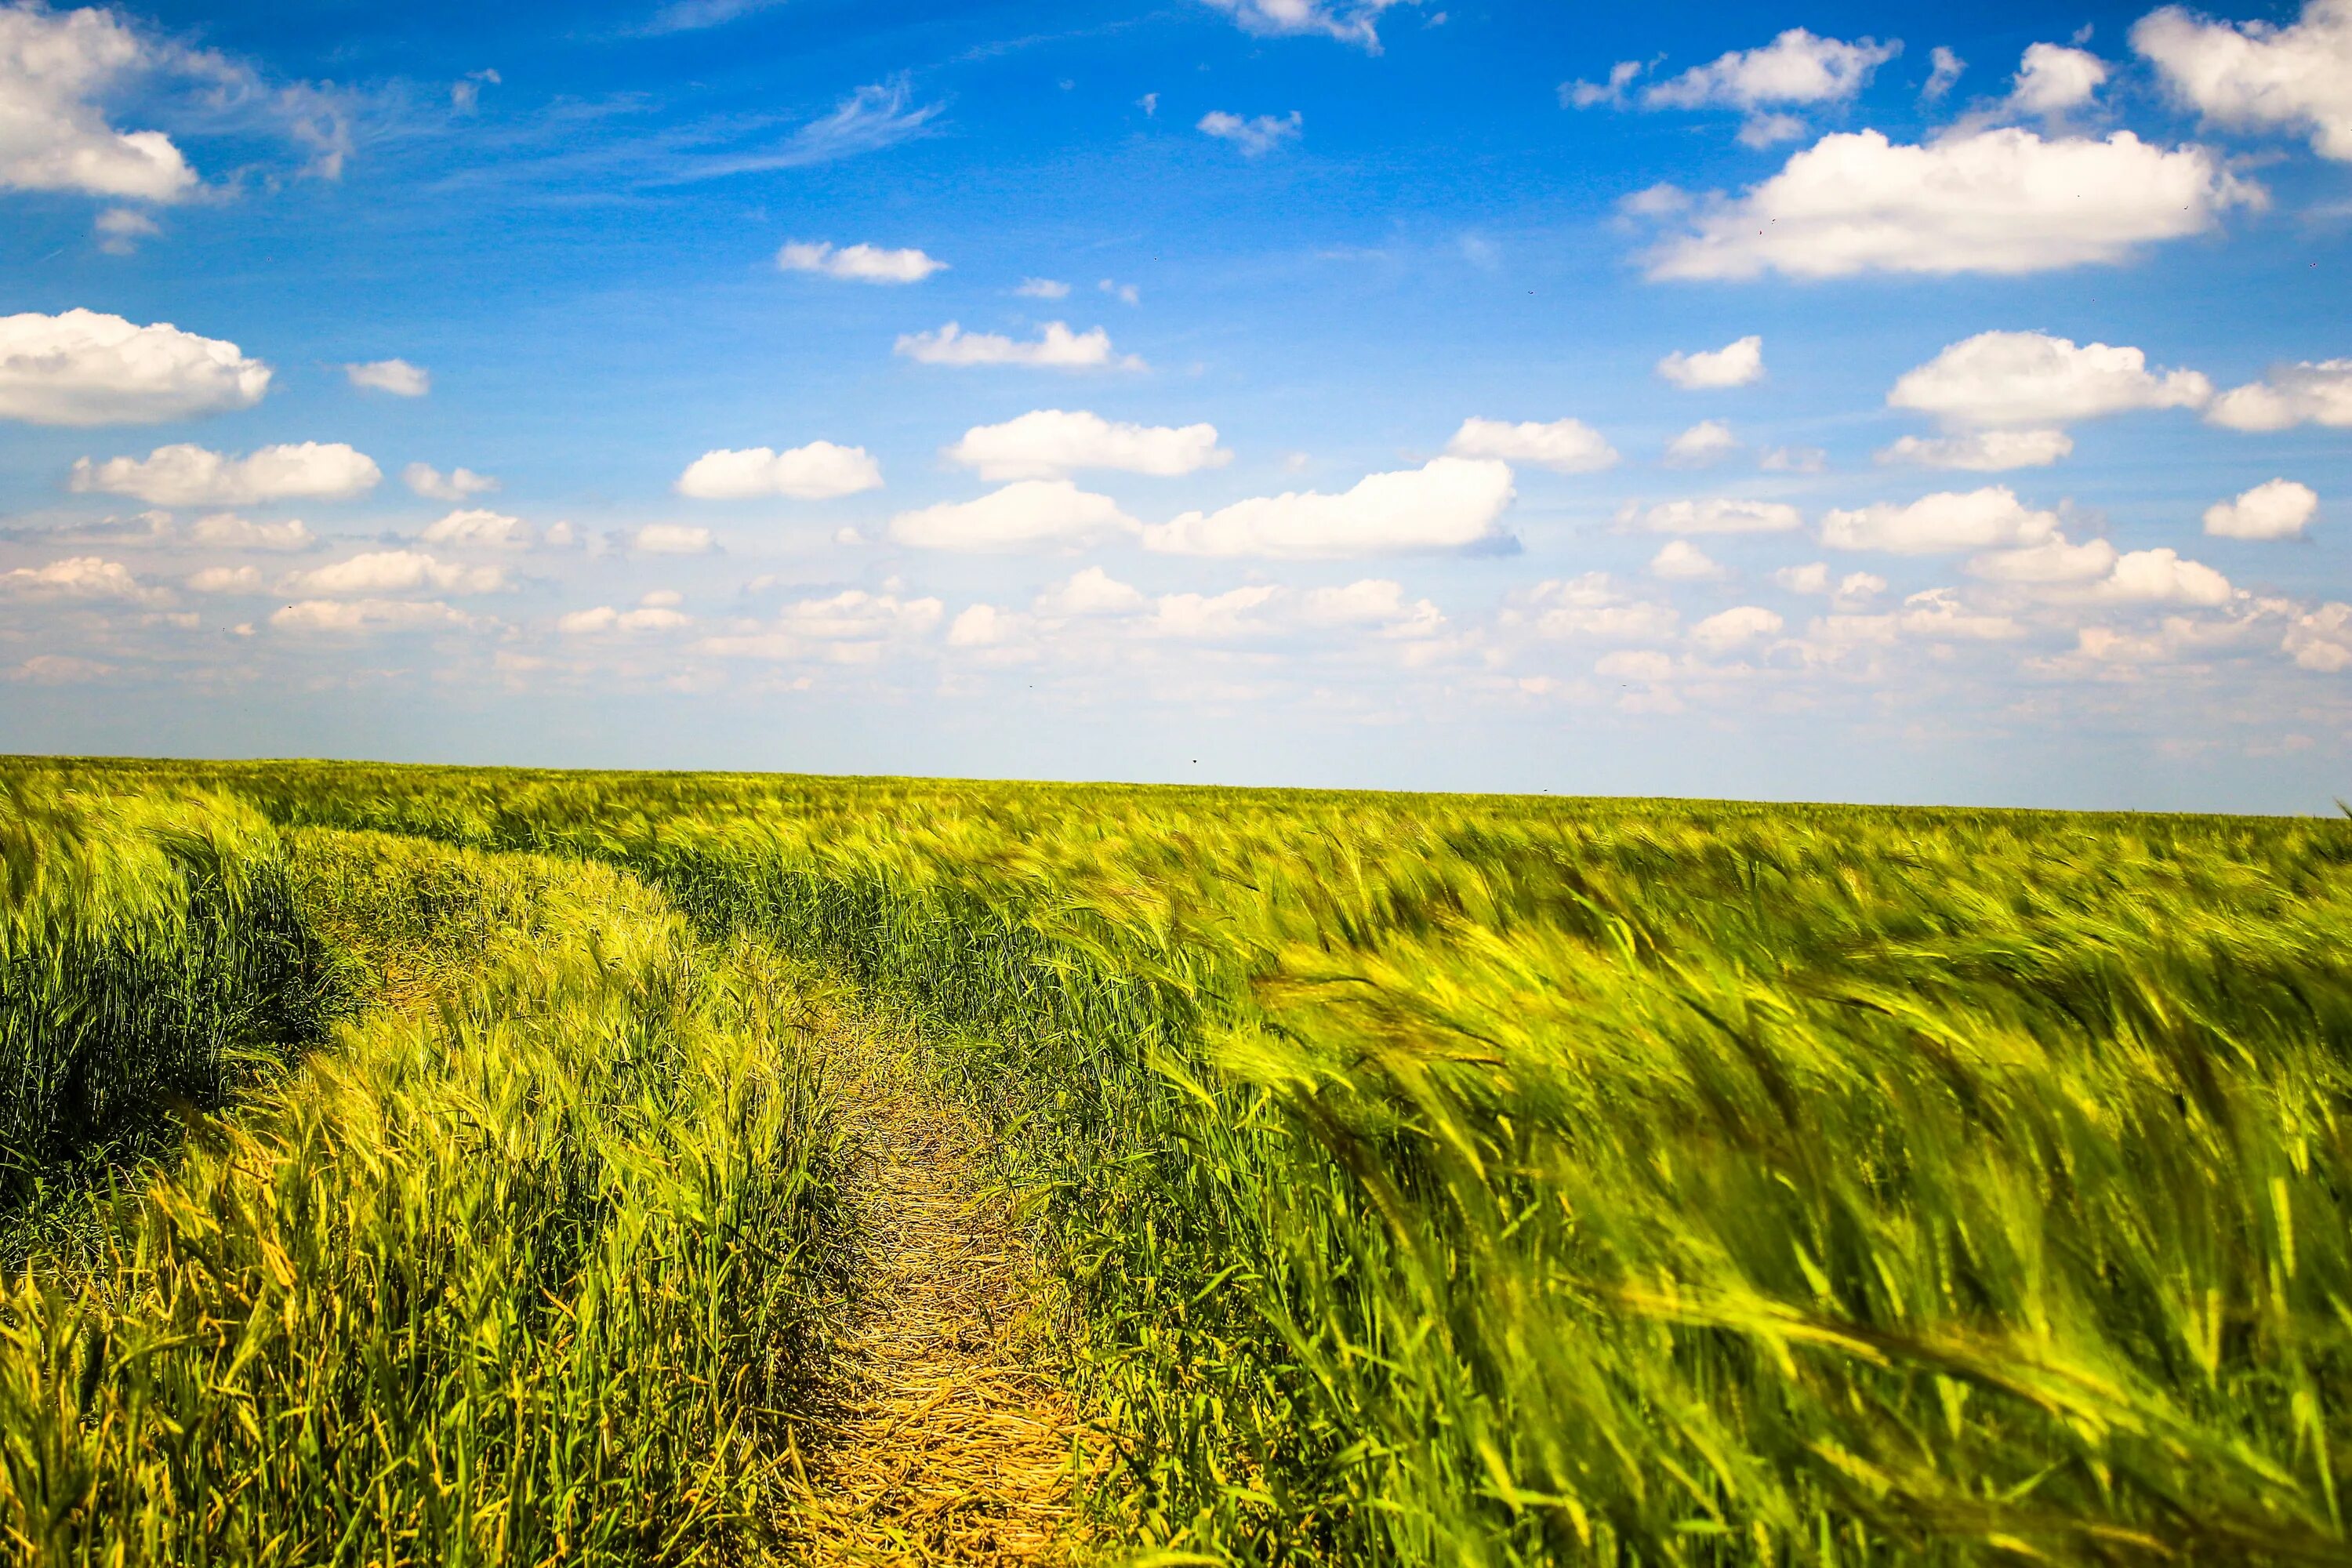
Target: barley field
492	1166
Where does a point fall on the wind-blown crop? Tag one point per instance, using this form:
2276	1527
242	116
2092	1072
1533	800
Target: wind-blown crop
1505	1181
150	953
522	1270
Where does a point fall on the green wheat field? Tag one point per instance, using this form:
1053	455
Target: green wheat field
435	1165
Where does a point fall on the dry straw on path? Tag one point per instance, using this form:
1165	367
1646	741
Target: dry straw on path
946	1437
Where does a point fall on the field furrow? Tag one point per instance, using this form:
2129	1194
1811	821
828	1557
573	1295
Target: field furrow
944	1434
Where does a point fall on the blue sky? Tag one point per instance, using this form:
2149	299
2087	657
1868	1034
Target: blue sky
1743	404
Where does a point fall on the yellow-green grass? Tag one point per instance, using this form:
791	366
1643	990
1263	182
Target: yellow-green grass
1497	1180
526	1268
150	958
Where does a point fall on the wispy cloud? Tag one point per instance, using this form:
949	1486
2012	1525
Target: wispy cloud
693	15
877	115
1351	21
231	98
59	71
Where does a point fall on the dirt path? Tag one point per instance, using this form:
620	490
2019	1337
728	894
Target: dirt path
949	1439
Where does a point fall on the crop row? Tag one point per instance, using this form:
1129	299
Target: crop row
522	1265
151	955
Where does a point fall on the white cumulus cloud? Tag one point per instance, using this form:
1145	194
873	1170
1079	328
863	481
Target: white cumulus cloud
1946	71
1795	67
1981	451
1856	588
2056	560
2053	78
55	67
2033	378
383	571
1093	598
1589	94
1590	607
189	475
1043	289
2275	509
670	539
226	580
1049	442
1351	21
983	625
1255	137
2002	201
226	530
1735	627
853	626
1057	348
857	263
1793	460
78	577
359	618
214	530
1369	602
85	368
456	485
1798	69
2162	577
2292	394
477	527
396	376
1209	617
1709	370
2094	573
1989	519
1680	561
1092	592
604	618
119	230
1024	515
1634	664
1708	441
1770	129
1563	445
2256	75
1940	613
818	471
1261	610
1717	514
1446	504
2109	646
2321	639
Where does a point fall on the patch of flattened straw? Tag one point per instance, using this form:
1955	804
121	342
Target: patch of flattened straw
946	1438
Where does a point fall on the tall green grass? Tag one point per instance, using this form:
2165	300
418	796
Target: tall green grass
1664	1189
151	953
525	1269
1497	1182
